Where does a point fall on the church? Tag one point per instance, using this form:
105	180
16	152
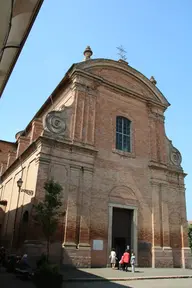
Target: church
101	135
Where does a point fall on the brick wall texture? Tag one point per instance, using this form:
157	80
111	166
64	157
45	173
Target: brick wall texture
95	175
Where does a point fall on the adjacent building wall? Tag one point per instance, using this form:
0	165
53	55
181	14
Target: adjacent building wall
26	169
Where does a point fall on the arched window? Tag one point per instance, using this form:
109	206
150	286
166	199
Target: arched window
123	134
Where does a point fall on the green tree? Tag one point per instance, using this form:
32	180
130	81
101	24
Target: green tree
47	212
190	236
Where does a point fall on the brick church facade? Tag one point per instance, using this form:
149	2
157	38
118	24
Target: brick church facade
101	135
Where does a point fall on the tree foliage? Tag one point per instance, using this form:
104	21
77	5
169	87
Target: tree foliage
190	236
47	212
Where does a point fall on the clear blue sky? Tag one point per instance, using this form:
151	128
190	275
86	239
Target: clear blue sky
156	35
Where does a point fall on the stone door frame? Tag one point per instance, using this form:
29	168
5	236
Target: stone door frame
134	239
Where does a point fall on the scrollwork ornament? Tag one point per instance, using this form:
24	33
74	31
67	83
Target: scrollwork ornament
55	123
176	157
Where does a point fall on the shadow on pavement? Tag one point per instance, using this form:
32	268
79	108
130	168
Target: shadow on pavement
77	278
96	285
10	281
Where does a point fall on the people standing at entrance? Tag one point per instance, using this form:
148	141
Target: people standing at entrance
133	262
126	258
121	264
113	258
118	256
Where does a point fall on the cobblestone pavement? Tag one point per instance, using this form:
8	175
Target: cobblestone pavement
171	283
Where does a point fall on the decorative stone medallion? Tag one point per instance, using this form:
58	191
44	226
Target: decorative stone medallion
176	157
55	123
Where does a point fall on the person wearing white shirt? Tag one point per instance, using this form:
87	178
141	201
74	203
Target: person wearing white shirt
113	258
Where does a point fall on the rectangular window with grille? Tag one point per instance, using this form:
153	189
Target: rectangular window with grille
123	131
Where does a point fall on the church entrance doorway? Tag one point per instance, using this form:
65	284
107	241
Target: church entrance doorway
122	230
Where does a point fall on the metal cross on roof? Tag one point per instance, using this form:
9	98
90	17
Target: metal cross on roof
122	53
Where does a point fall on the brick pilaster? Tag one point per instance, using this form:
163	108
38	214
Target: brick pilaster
37	128
11	158
23	143
84	231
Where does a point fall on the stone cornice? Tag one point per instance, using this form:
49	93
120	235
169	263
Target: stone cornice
50	141
156	165
90	88
70	145
157	116
159	166
153	114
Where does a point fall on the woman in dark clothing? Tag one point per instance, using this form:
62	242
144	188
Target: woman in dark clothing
2	256
118	253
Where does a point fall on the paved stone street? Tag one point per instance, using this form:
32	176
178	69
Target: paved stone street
171	283
10	281
111	274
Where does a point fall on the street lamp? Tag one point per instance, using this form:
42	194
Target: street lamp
19	185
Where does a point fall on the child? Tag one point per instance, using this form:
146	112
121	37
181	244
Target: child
121	263
113	258
133	262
